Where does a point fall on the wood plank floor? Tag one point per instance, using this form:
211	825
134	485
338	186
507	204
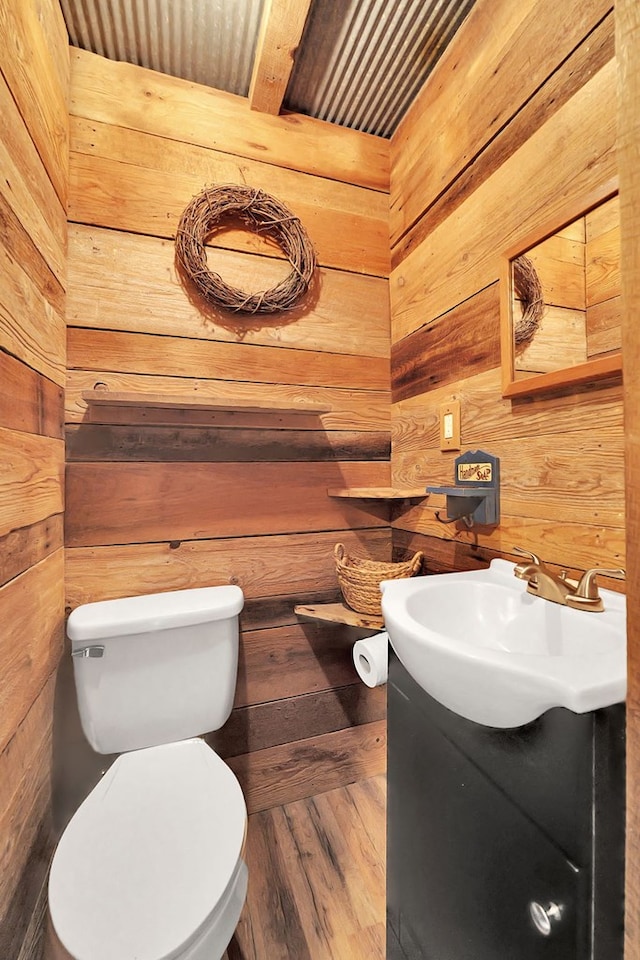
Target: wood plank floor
317	878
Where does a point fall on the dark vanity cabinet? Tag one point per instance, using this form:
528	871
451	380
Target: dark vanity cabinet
503	844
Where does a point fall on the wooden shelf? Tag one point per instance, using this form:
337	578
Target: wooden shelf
117	399
603	368
338	613
378	493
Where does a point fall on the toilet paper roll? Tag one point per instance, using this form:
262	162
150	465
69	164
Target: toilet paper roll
371	659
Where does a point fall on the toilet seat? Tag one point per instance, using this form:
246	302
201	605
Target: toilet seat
144	862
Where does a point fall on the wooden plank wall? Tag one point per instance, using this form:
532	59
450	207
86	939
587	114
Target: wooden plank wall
628	51
34	79
162	500
603	279
511	149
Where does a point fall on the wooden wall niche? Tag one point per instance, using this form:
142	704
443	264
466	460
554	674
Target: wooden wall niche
34	80
162	497
542	137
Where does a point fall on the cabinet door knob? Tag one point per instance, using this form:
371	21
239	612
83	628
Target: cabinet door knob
545	916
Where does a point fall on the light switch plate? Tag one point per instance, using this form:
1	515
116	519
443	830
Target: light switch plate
450	425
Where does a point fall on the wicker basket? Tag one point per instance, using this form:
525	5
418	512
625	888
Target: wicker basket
360	579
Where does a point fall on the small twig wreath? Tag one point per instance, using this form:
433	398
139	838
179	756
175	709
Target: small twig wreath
528	290
261	213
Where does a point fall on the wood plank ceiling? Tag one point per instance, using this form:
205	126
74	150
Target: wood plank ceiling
358	63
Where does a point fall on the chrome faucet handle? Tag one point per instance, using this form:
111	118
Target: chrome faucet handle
587	587
527	553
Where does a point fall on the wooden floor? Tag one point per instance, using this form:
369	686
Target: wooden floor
317	878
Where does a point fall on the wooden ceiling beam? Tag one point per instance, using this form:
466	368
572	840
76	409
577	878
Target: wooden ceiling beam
280	32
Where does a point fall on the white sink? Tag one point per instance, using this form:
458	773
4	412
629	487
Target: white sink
479	644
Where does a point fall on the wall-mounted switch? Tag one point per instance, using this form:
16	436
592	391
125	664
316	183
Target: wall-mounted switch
447	426
450	425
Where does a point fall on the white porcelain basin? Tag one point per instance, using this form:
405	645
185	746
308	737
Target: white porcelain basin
479	644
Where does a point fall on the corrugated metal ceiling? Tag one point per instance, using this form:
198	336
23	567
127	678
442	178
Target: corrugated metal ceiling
360	63
208	41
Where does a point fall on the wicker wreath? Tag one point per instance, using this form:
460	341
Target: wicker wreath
261	213
528	290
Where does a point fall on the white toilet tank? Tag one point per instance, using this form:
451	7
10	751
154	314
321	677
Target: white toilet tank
155	669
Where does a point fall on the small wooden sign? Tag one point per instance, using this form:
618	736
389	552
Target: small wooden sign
475	473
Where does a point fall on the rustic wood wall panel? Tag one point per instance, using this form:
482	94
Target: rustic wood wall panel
628	46
537	484
29	326
23	250
219	444
29	64
348	224
123	95
161	498
23	548
603	279
274	722
32	488
24	778
25	819
461	255
34	78
266	567
466	115
551	97
190	501
145	353
27	188
116	279
447	349
31	638
457	204
491	418
29	402
458	554
363	410
309	658
225	443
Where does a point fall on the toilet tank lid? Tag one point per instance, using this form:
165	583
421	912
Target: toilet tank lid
156	611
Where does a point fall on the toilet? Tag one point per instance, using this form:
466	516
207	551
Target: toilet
151	865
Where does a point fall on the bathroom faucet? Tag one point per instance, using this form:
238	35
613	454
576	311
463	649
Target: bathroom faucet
542	582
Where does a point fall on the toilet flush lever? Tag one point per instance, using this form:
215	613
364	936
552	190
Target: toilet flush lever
96	650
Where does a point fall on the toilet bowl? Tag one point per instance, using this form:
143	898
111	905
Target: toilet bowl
151	865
